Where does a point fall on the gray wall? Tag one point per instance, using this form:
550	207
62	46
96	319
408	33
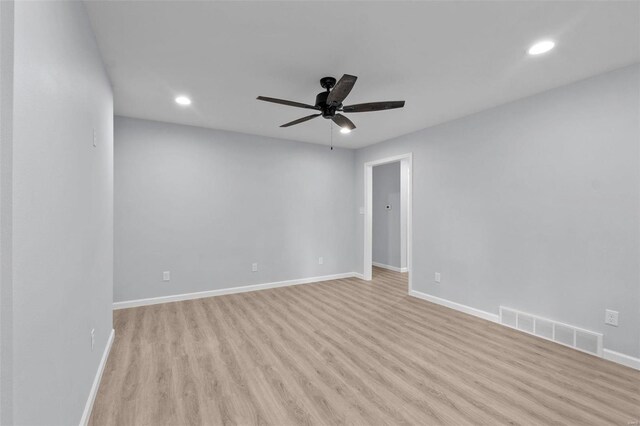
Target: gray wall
62	251
532	205
6	158
206	204
386	223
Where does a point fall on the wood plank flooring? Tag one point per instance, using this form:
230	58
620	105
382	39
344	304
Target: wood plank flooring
347	352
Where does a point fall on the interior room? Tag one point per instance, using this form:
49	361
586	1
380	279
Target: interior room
315	212
389	217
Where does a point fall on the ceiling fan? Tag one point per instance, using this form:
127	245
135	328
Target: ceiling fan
329	103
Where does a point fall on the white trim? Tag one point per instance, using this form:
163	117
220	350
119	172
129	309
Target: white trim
368	223
358	275
389	267
96	381
623	359
457	306
607	354
231	290
404	211
406	163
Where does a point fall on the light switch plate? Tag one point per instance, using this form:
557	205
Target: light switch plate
437	277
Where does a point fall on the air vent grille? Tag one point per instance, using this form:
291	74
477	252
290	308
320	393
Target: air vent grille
564	334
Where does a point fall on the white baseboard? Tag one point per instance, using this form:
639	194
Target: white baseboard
231	290
457	306
608	354
96	381
358	275
623	359
389	267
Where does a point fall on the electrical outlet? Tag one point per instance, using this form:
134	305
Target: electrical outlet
166	276
321	261
611	317
254	267
437	277
93	338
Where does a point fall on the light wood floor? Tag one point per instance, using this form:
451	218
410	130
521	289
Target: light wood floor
347	352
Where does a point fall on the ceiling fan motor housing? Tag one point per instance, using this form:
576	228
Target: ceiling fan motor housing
321	103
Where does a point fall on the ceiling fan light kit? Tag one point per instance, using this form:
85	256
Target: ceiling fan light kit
329	103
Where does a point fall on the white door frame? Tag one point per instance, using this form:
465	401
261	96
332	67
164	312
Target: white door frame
406	164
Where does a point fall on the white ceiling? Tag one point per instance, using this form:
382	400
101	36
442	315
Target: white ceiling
446	59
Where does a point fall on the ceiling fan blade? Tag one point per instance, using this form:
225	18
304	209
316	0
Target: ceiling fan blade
373	106
343	122
341	89
285	102
301	120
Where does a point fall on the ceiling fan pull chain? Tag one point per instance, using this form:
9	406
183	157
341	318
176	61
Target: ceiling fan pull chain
331	133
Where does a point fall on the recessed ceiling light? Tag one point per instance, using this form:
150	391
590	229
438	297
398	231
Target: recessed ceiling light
345	130
183	100
541	47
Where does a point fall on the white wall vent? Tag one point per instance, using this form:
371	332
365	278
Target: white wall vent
564	334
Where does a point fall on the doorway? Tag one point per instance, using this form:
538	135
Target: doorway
392	210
